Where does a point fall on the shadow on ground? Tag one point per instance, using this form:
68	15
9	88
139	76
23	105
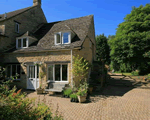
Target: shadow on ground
108	91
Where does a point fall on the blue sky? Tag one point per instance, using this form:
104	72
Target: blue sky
107	13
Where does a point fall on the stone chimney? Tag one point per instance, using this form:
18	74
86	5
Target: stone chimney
36	2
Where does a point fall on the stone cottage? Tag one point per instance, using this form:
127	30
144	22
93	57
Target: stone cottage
26	39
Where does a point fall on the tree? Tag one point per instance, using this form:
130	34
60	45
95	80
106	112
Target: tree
102	49
80	69
110	37
132	41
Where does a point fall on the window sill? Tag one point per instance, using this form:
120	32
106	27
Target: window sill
21	48
58	81
62	44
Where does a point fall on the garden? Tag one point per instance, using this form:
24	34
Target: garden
15	105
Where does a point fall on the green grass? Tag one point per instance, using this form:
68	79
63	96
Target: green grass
127	74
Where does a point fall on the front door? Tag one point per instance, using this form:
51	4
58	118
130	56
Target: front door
33	77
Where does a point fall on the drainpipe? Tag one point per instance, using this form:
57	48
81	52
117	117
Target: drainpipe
71	70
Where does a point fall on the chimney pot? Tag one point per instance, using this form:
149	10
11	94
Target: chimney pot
36	2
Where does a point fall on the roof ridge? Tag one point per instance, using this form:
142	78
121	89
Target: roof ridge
21	11
73	18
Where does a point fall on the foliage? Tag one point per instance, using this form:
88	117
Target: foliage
2	72
80	69
15	106
4	88
131	45
74	95
148	76
42	72
110	37
102	49
67	92
83	89
135	73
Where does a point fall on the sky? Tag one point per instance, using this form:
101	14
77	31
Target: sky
108	14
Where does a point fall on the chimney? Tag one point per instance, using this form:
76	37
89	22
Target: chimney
5	16
36	2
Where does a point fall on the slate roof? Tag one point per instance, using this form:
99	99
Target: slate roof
14	13
45	34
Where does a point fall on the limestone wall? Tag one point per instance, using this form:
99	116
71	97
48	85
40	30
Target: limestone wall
28	20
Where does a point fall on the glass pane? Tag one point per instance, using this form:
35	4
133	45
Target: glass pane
24	42
14	70
57	72
65	37
58	38
17	27
37	71
18	71
8	71
64	72
50	72
31	71
19	43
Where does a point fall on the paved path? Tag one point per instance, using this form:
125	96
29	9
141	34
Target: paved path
114	103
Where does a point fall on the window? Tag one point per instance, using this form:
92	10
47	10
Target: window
19	43
65	38
17	27
13	70
62	38
22	43
58	36
58	72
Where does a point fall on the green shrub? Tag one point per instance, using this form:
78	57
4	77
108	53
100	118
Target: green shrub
67	92
135	73
74	96
83	89
80	69
15	106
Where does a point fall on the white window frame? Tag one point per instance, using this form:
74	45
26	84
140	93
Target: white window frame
11	70
61	38
60	73
69	37
16	27
27	42
56	38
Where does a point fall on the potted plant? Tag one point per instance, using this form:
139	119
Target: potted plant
82	92
67	92
39	90
73	97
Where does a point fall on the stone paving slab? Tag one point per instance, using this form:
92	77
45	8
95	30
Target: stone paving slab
133	105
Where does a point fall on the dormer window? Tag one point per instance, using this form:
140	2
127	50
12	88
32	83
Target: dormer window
62	38
22	43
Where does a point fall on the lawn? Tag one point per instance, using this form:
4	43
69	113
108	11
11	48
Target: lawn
139	77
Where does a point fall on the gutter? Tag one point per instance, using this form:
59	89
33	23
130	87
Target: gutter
40	51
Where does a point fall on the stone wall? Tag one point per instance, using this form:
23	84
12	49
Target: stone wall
51	56
28	20
85	52
91	35
41	56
